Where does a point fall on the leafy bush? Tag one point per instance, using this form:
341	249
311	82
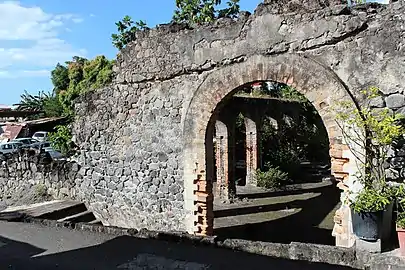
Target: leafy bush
201	11
369	135
400	197
127	29
272	178
62	140
372	200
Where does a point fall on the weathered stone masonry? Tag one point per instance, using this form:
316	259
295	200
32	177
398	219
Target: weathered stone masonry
142	139
23	173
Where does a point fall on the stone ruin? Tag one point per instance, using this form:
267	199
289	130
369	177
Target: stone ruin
142	140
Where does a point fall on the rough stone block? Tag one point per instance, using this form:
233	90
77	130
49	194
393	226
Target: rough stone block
395	101
372	247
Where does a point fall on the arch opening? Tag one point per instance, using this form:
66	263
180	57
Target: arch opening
320	85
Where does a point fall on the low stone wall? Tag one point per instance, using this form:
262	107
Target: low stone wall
29	173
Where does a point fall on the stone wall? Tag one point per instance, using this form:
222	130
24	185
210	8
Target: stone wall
22	175
142	138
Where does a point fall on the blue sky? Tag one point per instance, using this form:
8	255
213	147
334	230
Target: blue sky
37	34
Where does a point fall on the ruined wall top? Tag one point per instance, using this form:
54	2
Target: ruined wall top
285	6
171	50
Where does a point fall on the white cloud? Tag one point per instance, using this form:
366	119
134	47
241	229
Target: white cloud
77	20
24	73
30	37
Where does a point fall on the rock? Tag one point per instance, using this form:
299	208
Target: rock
395	101
401	111
398	162
377	102
154	166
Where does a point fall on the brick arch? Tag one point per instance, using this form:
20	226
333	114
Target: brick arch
319	84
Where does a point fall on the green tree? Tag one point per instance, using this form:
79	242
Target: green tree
201	11
44	104
127	29
32	103
369	134
60	78
52	106
61	139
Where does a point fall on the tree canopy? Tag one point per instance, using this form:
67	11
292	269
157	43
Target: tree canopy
201	11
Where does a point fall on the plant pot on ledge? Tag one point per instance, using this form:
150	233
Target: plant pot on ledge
369	212
367	225
401	240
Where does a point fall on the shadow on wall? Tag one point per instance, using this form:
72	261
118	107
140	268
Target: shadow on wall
126	252
302	226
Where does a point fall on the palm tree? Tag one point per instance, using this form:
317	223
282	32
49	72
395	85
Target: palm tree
32	103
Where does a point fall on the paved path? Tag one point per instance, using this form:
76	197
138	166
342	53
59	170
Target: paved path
32	246
272	216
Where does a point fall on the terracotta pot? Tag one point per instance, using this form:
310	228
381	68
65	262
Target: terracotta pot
401	239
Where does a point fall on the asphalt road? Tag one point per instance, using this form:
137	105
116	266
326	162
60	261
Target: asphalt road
32	246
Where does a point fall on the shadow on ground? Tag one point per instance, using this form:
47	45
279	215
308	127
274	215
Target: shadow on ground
126	252
299	226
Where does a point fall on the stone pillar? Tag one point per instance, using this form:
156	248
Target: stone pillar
252	151
225	155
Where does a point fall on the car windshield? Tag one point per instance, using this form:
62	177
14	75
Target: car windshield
39	135
7	146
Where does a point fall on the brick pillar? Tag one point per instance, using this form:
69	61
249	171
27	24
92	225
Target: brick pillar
252	151
225	155
204	224
341	170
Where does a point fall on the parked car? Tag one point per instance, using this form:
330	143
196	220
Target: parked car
39	145
41	136
55	155
10	147
25	141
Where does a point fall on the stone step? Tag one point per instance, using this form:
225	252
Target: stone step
55	209
86	216
96	222
68	208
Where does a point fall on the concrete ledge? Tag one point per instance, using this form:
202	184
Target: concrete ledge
294	251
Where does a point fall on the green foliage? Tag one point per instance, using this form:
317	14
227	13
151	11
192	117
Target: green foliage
83	75
202	11
272	178
45	104
61	139
32	103
60	78
52	106
369	134
127	29
41	191
291	143
400	197
372	200
401	220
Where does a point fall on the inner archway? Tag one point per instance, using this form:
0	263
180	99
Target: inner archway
319	84
283	146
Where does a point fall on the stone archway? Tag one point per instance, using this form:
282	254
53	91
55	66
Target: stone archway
319	84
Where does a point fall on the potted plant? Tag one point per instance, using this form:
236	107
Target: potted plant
401	232
368	210
400	220
369	135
